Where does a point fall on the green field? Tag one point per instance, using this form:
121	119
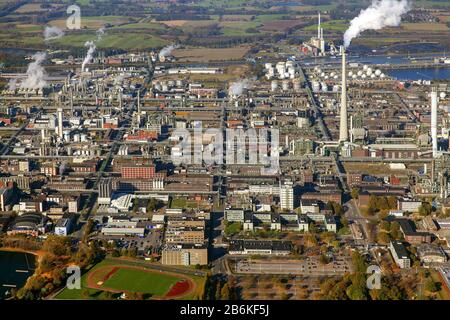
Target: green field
152	283
149	283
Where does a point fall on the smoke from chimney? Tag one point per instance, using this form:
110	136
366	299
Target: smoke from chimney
382	13
35	73
166	51
237	88
52	33
89	55
100	33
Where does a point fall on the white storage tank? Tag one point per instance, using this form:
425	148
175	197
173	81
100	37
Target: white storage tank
274	85
285	85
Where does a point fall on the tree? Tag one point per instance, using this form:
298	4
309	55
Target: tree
225	292
355	193
425	209
430	286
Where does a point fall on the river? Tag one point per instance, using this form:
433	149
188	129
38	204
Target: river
15	269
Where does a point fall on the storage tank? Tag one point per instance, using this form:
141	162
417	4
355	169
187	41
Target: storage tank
378	72
443	95
66	135
365	67
296	83
76	137
158	86
83	137
274	85
268	66
324	87
360	73
315	86
285	85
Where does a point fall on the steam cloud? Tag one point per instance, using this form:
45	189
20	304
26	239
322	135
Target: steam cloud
382	13
90	53
167	51
51	33
35	73
237	88
100	33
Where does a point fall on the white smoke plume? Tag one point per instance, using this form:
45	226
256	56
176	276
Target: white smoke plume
12	84
167	51
90	53
51	33
237	88
382	13
100	33
35	73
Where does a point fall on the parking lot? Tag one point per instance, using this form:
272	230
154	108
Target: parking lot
307	267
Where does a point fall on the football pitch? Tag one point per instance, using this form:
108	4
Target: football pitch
155	283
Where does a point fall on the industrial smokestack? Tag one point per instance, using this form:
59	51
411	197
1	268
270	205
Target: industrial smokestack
434	106
60	123
319	32
343	127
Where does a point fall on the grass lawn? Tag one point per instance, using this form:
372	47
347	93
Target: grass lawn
141	281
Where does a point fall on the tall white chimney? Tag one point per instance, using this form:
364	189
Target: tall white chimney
319	33
60	123
343	127
434	106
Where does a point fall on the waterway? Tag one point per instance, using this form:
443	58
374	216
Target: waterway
15	269
421	74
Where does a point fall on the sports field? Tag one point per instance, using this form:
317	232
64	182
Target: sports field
119	277
135	280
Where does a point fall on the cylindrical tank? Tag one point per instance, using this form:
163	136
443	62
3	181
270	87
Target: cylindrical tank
158	86
76	137
285	85
165	87
315	86
324	87
274	85
360	73
443	95
296	83
66	135
378	72
83	137
365	67
268	66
